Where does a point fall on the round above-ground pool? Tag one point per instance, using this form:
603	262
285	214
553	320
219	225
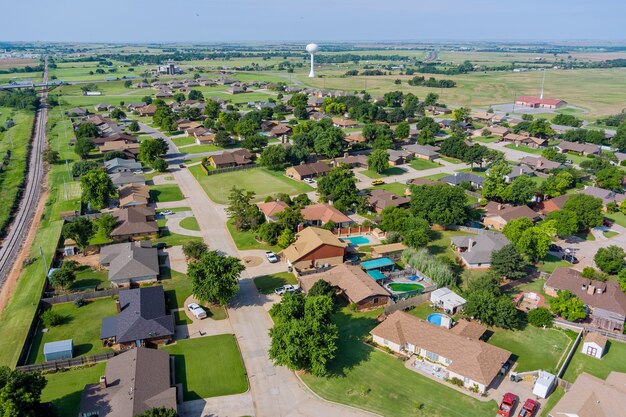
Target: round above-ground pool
400	287
439	319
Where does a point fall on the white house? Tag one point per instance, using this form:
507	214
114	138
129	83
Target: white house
544	384
594	345
474	362
448	300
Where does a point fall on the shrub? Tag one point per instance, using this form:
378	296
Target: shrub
540	317
79	302
456	381
588	272
50	318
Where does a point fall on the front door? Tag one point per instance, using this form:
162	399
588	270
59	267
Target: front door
591	351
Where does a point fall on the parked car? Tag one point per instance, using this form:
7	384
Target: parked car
607	223
181	166
508	404
285	289
529	408
138	172
505	368
167	212
160	245
555	248
378	182
197	311
309	180
570	258
271	257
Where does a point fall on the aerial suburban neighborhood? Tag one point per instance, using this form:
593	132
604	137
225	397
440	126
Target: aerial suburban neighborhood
203	226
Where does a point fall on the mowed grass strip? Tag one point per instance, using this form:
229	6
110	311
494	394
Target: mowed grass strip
64	388
190	223
209	366
614	359
261	181
165	193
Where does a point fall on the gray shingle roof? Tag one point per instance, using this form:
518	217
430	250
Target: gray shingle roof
459	177
481	246
130	260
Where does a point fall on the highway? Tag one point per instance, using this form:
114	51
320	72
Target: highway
19	227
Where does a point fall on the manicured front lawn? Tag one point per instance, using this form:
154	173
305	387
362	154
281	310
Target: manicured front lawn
451	160
267	283
609	234
614	359
367	378
64	388
523	148
209	366
532	348
245	240
88	278
422	164
386	173
190	223
550	263
261	181
173	239
201	148
397	188
165	192
184	140
617	217
81	324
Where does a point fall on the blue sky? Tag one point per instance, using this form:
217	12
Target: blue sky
315	20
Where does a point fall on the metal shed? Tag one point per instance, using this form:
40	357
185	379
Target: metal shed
61	349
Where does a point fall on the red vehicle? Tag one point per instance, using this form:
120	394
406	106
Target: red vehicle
607	223
529	409
508	404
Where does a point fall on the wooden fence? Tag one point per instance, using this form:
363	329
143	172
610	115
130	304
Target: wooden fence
89	295
407	303
581	326
229	169
66	363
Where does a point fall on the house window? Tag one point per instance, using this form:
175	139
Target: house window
386	342
466	380
375	300
432	356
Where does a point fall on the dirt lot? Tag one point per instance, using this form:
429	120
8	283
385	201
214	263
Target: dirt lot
17	62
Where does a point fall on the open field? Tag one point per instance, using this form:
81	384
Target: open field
18	63
259	180
208	366
367	378
64	388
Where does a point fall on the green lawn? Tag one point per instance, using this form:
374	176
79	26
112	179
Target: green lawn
532	348
614	359
609	234
550	263
82	324
184	140
486	139
209	366
64	388
245	240
451	160
396	188
422	311
89	278
190	223
481	172
442	245
422	164
267	283
177	287
617	217
523	148
173	239
261	181
367	378
201	148
436	177
553	399
386	173
164	193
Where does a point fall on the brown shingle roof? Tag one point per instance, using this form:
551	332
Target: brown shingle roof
389	248
470	358
592	397
134	194
315	168
310	239
508	212
272	208
324	213
597	338
134	221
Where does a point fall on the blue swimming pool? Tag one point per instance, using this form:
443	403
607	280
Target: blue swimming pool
356	240
436	318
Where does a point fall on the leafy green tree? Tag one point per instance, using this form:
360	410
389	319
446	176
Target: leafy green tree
329	143
215	278
439	204
273	157
245	215
152	148
114	154
254	141
556	184
520	190
82	167
269	232
80	231
610	259
117	114
83	147
494	185
568	306
566	222
553	154
610	178
567	120
378	160
222	138
402	130
339	186
507	316
418	235
514	229
159	411
508	262
194	249
87	130
49	155
298	100
290	218
540	317
303	336
134	126
106	224
97	188
196	95
431	99
20	393
534	243
62	278
588	210
159	165
286	238
621	279
321	287
491	309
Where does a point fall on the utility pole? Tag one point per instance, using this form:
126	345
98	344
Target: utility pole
67	165
65	188
45	264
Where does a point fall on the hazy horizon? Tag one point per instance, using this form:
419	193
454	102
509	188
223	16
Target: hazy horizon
245	21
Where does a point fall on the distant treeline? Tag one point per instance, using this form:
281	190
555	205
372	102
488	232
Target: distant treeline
38	68
431	82
19	98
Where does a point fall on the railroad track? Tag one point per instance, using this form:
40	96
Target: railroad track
18	229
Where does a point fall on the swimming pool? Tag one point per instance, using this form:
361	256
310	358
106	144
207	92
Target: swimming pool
356	240
439	319
405	287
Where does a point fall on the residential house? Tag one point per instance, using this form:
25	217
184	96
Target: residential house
344	123
438	110
133	106
131	150
148	110
392	251
184	124
620	158
134	382
591	396
141	320
130	263
235	89
135	222
117	165
115	137
120	179
594	345
164	94
271	209
552	204
457	178
518	171
524	140
312	170
605	300
316	102
134	195
315	248
355	138
77	112
447	300
378	200
499	131
540	102
427	152
398	157
607	196
323	213
104	107
475	250
236	158
539	163
354	161
497	215
473	361
581	148
354	284
280	131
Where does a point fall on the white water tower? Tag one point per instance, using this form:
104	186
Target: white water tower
312	48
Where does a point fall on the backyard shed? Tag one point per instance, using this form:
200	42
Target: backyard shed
594	345
544	384
61	349
448	300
